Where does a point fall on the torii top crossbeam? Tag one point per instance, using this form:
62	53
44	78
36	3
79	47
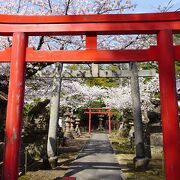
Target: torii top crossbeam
164	25
149	23
91	26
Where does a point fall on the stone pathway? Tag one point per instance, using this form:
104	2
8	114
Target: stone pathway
96	161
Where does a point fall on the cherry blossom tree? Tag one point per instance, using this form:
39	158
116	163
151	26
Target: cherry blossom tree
76	94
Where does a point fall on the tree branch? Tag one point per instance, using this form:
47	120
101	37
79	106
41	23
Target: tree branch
67	7
41	41
19	6
50	7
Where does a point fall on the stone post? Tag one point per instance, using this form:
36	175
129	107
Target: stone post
100	127
67	133
77	130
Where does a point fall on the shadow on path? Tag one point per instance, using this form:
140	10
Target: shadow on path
96	161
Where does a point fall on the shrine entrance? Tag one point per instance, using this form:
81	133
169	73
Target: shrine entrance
102	111
164	25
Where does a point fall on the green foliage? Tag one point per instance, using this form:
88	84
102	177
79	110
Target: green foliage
147	79
96	104
28	107
116	115
157	95
81	115
121	145
102	82
177	42
149	65
113	68
178	69
72	67
93	104
177	39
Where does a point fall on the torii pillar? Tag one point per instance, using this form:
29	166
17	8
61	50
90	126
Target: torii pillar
169	110
15	107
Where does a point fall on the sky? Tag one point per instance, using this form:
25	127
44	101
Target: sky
151	5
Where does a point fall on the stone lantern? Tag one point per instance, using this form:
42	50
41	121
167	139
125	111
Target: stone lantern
67	133
77	130
100	127
60	123
73	117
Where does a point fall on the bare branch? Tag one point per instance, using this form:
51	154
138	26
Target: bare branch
167	7
169	3
100	8
9	41
109	10
41	41
67	7
50	7
67	41
19	6
131	42
48	46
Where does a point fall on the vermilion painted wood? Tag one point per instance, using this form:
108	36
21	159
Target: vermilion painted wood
92	55
83	28
78	25
80	55
91	41
177	52
15	108
69	178
169	111
89	121
109	121
16	19
99	111
98	108
5	56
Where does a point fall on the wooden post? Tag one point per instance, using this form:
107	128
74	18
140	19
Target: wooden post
89	121
91	41
169	111
15	107
109	121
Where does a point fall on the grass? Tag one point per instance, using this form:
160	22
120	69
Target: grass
121	145
125	154
64	160
65	156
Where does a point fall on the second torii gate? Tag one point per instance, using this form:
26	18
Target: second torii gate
91	111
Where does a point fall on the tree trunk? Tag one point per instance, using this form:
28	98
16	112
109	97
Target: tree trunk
140	160
54	115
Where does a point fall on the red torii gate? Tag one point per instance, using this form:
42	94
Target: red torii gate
20	27
91	111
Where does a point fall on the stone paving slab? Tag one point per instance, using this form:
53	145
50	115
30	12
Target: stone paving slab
96	161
